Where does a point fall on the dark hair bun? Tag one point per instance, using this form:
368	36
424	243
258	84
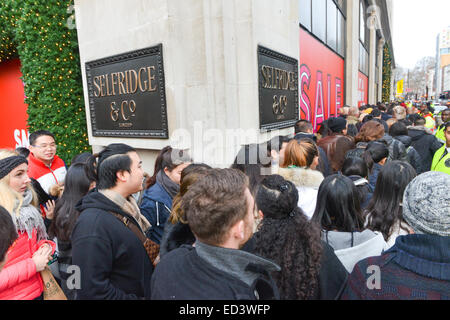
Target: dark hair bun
277	198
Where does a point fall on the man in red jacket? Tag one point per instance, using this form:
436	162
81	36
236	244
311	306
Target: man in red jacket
44	165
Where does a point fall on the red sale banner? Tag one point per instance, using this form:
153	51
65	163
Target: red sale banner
363	89
321	80
13	123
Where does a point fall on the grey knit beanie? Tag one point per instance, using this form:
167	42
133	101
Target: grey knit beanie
426	204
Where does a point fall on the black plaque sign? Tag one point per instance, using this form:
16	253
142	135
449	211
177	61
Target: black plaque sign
278	90
127	95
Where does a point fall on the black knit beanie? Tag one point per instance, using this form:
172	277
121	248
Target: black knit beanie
9	164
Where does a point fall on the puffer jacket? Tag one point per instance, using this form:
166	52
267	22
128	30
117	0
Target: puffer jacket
414	157
19	279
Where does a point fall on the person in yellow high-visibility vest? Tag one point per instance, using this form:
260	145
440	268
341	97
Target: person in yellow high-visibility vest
429	118
441	160
445	117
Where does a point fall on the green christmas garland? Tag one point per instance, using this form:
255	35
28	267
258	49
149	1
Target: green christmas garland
387	73
42	34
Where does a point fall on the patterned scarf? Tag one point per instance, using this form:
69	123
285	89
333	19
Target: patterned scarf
129	206
29	218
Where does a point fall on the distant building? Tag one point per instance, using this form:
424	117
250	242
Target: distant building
442	77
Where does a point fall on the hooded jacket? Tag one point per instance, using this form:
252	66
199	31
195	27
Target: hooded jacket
206	272
425	143
352	247
156	206
397	150
307	182
414	157
113	261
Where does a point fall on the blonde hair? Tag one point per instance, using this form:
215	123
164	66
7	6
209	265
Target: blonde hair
8	196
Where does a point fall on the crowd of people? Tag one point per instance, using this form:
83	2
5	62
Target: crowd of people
358	210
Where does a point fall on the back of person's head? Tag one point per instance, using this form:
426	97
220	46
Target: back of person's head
24	152
8	233
375	152
300	153
113	159
81	158
353	111
303	126
169	158
352	130
370	131
189	176
426	204
287	238
398	129
337	125
355	166
399	113
367	118
35	135
375	113
250	160
338	207
215	203
277	198
323	129
276	144
385	207
78	181
419	121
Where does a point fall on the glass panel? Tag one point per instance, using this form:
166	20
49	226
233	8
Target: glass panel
331	25
319	14
341	34
305	13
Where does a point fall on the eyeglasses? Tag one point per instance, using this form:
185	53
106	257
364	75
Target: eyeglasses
45	146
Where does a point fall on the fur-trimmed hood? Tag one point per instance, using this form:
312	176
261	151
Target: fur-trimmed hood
302	177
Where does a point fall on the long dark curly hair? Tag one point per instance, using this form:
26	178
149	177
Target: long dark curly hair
287	238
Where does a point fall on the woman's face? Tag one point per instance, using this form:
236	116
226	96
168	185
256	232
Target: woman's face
175	174
18	179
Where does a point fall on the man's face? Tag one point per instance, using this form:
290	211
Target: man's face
134	183
44	148
445	116
447	137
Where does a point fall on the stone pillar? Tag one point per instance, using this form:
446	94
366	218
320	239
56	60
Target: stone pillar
380	68
210	65
352	54
372	57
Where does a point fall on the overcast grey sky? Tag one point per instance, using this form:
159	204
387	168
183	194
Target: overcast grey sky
416	26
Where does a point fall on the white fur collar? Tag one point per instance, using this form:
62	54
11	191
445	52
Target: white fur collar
302	177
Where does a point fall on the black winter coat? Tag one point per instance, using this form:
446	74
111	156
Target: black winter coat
113	262
184	275
414	157
426	145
